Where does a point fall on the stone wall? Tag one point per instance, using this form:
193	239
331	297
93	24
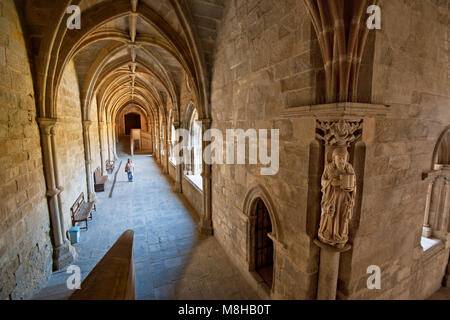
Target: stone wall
267	61
69	142
172	171
25	247
411	74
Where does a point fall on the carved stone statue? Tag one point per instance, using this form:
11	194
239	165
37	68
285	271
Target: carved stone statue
338	199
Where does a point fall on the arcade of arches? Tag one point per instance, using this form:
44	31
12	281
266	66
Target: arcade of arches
69	99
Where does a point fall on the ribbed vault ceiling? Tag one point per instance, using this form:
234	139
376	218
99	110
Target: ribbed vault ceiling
127	51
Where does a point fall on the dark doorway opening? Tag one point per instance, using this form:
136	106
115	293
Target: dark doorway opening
263	244
132	121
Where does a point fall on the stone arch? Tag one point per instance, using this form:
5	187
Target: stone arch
253	197
442	149
130	108
67	44
187	117
259	192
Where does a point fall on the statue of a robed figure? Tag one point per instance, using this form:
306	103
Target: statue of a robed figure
338	199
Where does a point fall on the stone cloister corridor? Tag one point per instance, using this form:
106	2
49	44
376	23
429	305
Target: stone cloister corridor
282	149
171	259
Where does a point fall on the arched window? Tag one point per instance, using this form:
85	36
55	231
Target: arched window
193	168
443	151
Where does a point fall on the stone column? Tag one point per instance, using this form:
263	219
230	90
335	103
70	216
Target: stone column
88	160
57	180
114	142
206	223
62	251
442	221
101	127
179	167
168	147
427	229
158	144
328	270
108	138
161	148
436	199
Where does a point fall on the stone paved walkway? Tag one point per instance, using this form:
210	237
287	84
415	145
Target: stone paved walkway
172	261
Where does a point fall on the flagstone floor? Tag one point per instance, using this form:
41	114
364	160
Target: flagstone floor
172	261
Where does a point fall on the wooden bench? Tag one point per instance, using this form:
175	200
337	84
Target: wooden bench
82	211
110	166
99	180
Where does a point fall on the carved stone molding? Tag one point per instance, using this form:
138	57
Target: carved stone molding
348	110
340	133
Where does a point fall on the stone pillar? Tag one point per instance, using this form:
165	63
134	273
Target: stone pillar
88	160
108	138
328	270
206	223
436	199
179	166
447	277
442	222
158	144
57	180
131	146
427	229
101	128
168	148
62	250
114	142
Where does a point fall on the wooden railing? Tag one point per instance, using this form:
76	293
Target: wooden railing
113	277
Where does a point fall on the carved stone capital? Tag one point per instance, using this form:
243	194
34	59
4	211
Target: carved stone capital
206	123
53	192
47	125
87	124
340	133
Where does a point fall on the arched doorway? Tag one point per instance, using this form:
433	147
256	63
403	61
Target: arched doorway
132	121
263	245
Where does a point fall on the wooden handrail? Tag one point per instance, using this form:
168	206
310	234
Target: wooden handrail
113	277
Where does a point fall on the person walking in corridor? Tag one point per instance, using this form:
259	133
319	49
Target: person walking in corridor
129	169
